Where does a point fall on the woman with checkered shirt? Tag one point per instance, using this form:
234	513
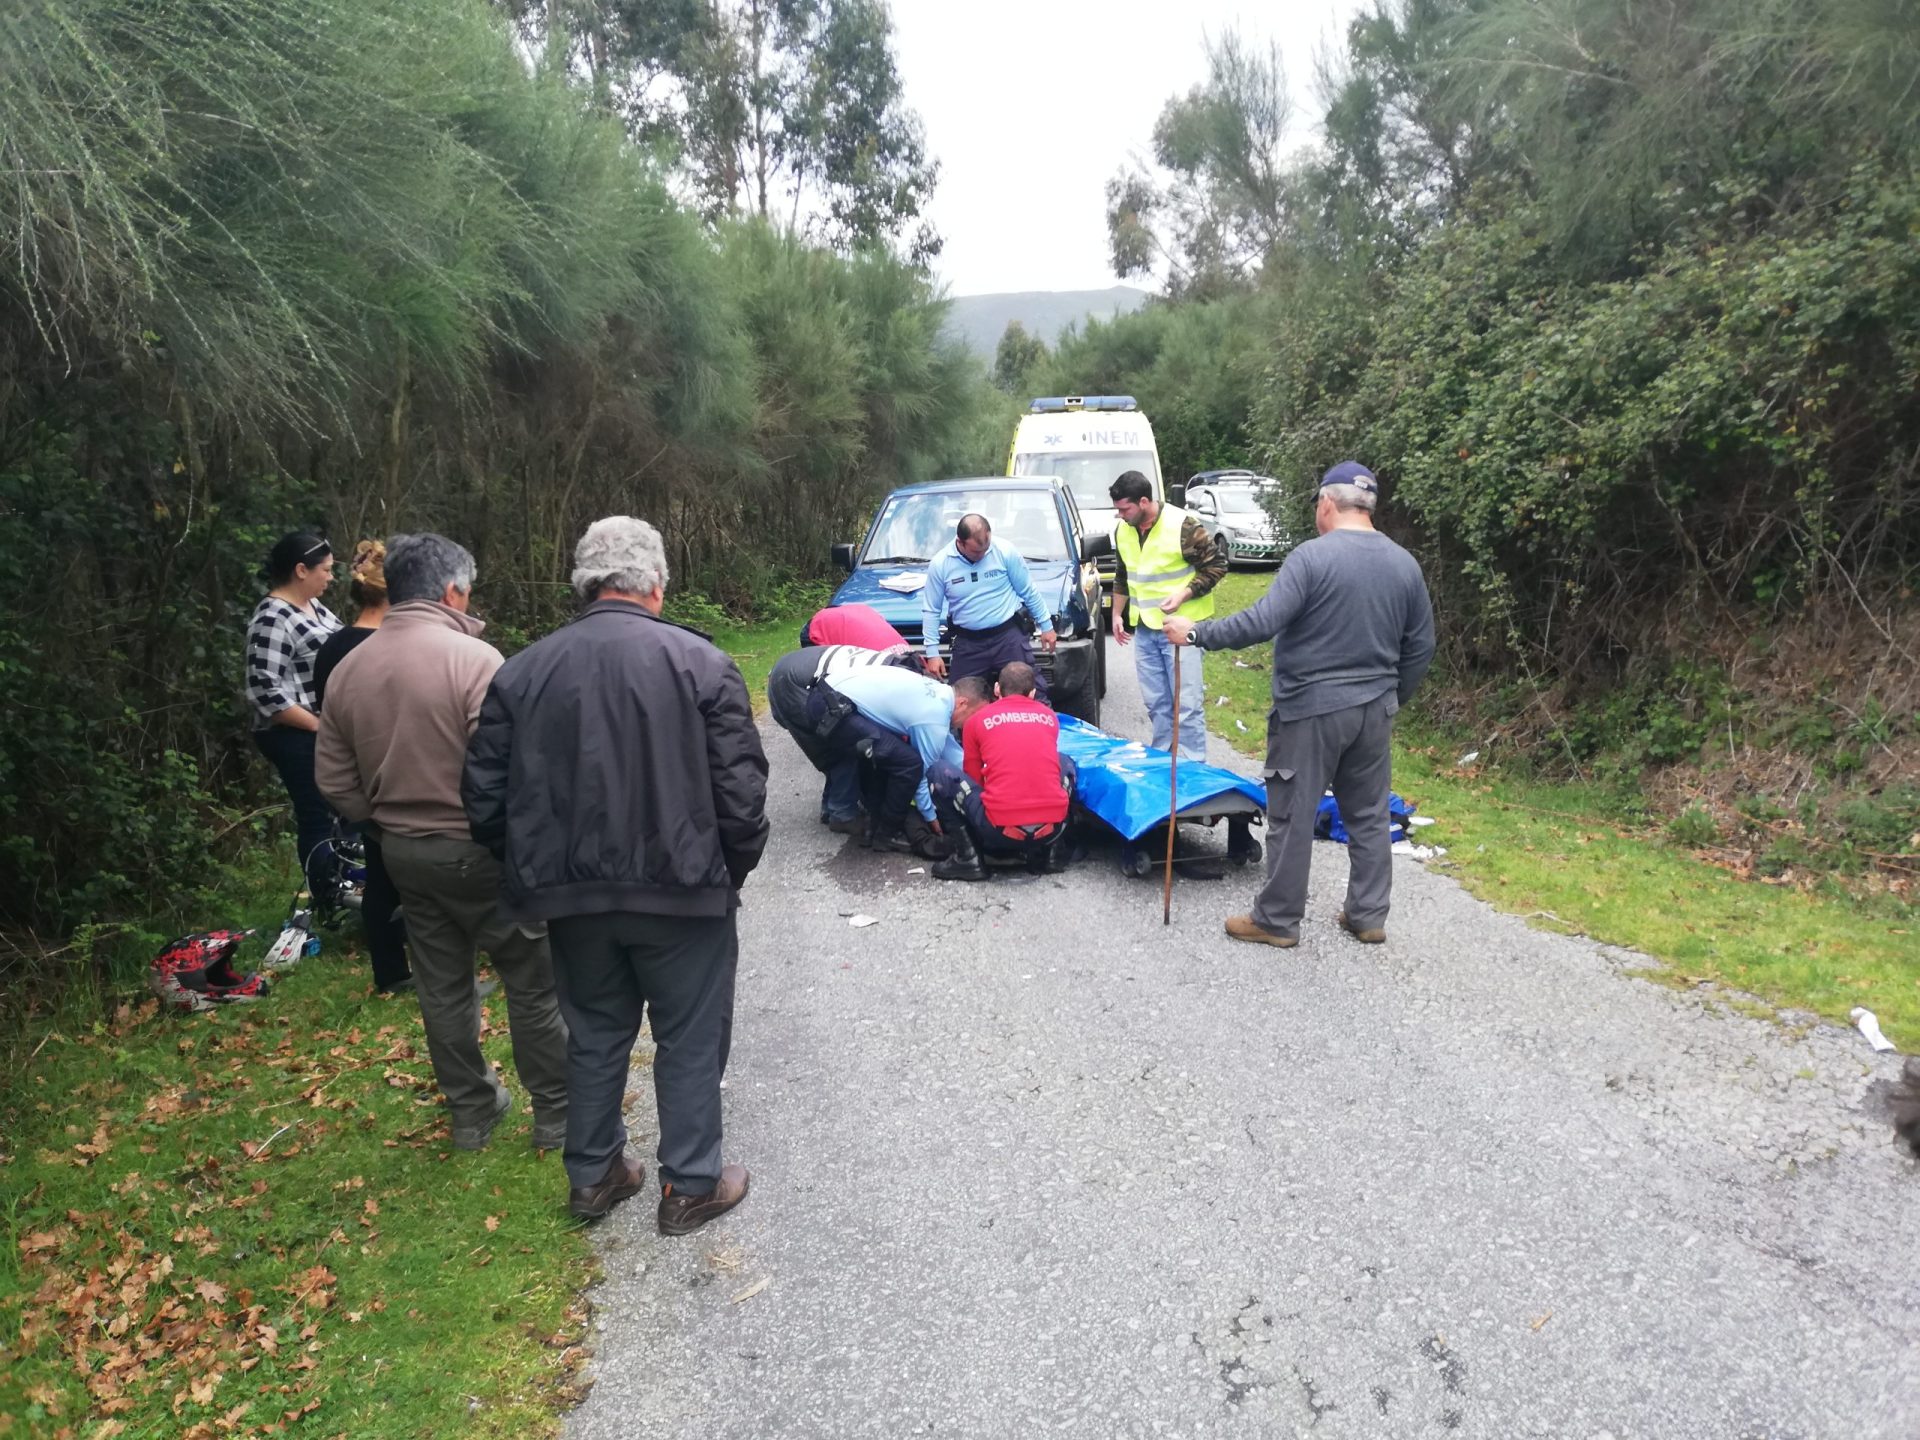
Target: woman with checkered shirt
283	640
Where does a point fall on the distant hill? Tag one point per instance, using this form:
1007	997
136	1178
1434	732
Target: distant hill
980	320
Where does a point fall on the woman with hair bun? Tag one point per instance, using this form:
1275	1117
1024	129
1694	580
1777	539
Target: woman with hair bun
386	935
284	637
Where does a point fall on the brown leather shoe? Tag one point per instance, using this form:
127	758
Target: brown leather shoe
684	1214
1243	927
1374	936
624	1178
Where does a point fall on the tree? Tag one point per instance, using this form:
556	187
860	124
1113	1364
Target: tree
1225	206
789	110
1015	357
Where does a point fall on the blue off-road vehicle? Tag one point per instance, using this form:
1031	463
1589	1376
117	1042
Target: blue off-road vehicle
1034	515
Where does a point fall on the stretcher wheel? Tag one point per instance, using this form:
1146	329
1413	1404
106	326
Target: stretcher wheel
1248	853
1135	862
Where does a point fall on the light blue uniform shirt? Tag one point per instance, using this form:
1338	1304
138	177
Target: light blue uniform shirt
978	597
909	705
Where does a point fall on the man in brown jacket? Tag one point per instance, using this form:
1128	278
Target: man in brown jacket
393	741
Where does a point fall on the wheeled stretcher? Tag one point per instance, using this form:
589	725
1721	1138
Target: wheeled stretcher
1125	785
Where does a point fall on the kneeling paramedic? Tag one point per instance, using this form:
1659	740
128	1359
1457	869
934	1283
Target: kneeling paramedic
897	724
1013	796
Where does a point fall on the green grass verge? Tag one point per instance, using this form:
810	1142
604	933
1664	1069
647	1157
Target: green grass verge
244	1222
225	1224
1568	858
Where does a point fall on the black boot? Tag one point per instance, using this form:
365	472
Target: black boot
964	861
1053	859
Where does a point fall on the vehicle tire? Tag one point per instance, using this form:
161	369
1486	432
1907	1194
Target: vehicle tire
1100	662
1083	703
1225	547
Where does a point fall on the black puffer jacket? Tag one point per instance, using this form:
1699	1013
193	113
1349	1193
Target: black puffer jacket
616	767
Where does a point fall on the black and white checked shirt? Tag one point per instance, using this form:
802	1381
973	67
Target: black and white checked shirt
282	644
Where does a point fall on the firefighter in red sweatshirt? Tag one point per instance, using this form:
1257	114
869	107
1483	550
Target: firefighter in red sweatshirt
1017	788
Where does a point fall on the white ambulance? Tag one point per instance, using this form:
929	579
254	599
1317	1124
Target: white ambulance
1089	441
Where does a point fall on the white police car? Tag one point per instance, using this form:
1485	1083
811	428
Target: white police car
1238	508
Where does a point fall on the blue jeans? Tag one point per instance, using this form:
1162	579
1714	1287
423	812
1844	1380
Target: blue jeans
1153	661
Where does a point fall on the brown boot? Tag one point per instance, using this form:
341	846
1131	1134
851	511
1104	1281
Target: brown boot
1374	936
684	1214
624	1177
1244	927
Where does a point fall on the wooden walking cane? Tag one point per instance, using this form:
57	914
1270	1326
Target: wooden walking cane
1173	796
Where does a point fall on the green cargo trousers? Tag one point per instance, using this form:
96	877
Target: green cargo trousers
450	888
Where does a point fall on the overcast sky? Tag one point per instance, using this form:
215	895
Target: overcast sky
1030	107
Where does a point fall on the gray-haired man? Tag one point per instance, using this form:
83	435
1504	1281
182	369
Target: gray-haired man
1352	632
392	744
617	772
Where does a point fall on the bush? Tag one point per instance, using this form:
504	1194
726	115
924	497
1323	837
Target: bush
1694	828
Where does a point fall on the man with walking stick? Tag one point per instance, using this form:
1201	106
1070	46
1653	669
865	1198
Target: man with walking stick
1352	631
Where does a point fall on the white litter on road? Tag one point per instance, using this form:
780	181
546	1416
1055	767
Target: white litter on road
860	922
1868	1025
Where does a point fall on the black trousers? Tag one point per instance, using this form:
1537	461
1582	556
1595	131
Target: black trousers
291	752
386	932
983	652
679	971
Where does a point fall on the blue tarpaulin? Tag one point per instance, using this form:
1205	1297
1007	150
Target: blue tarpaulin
1125	783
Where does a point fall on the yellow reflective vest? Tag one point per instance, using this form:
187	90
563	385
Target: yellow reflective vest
1156	568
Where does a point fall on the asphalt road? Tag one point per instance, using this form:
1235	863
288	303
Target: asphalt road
1024	1160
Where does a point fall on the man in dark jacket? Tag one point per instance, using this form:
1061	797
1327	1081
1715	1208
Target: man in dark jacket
617	773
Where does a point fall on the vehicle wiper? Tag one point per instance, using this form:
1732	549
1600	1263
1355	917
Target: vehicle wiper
895	560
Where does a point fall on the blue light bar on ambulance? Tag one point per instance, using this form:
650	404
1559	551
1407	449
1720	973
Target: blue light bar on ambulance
1055	404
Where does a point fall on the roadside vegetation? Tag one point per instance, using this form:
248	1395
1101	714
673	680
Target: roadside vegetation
1593	859
1620	300
251	1222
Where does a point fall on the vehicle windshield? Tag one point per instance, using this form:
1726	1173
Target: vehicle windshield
1241	500
1089	473
917	526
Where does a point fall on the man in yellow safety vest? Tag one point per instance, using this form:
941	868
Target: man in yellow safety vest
1165	562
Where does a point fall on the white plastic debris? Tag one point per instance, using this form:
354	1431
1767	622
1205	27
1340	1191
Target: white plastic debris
1418	852
1468	758
905	583
1240	724
1868	1025
918	870
1242	665
860	922
1421	820
1219	700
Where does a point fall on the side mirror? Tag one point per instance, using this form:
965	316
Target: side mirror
1177	493
1093	546
843	556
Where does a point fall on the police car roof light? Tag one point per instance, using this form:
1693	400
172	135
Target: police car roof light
1057	404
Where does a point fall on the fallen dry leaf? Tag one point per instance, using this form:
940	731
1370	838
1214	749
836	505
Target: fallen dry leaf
754	1289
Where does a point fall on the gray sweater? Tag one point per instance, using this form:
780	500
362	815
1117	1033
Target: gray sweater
1350	621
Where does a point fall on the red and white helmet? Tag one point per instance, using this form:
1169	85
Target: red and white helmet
196	972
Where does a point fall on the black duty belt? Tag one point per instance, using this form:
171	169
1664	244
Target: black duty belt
1011	622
